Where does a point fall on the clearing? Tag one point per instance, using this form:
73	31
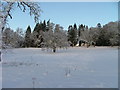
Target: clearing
76	67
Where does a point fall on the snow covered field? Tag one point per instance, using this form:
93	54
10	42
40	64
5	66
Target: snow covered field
72	68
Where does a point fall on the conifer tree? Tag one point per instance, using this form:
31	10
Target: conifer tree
72	35
44	26
48	25
28	37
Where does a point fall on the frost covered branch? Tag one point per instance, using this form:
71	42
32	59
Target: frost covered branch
7	7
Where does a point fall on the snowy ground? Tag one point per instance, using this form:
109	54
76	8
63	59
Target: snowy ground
73	68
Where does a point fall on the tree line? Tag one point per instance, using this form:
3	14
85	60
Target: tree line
106	35
49	35
44	35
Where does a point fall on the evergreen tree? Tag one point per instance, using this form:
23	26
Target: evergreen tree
82	27
37	29
28	37
79	34
103	39
99	25
75	26
72	35
44	26
47	25
79	29
37	34
86	27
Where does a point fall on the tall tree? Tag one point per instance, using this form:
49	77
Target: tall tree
75	26
48	25
44	26
36	28
37	34
72	35
79	34
28	37
103	39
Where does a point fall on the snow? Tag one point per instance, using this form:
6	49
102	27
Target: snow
76	67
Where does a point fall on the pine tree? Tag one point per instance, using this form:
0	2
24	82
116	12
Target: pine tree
48	25
99	25
72	35
79	34
44	26
82	27
86	27
102	40
37	34
28	37
37	28
75	26
79	29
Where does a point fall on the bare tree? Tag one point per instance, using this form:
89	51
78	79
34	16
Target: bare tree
13	38
55	38
6	9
